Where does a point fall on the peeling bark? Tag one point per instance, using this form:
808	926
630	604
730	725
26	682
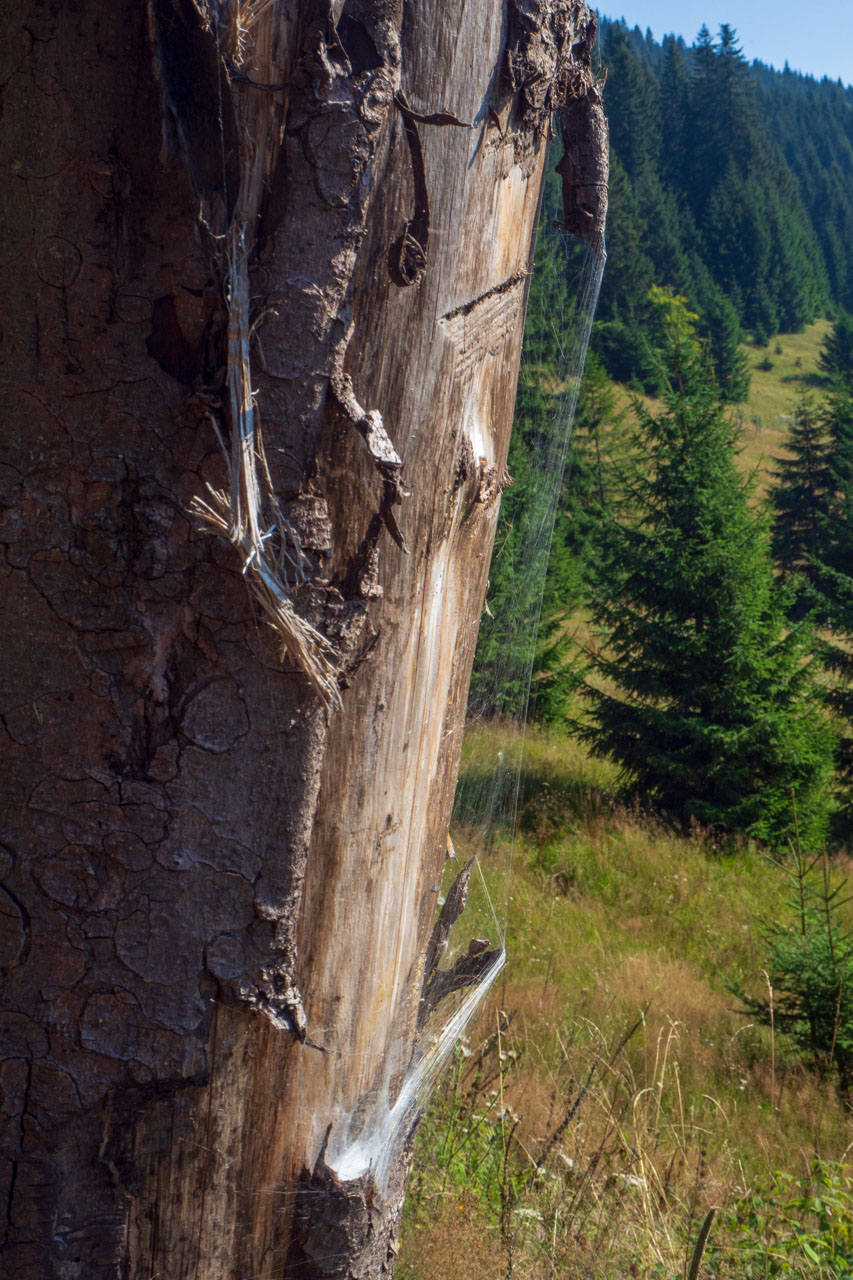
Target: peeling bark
585	167
216	859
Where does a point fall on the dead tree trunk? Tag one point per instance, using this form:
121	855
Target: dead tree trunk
263	288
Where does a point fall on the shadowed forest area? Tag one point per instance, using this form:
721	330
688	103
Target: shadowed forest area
662	1085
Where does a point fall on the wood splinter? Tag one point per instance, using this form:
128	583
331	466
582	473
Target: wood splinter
468	969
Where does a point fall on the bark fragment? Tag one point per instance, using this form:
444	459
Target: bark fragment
584	167
540	60
548	67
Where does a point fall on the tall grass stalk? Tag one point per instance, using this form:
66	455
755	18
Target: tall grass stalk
559	1148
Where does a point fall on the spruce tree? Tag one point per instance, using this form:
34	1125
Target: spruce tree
507	642
801	494
831	572
674	109
508	630
808	962
592	483
836	354
702	159
729	360
592	491
623	306
632	102
702	696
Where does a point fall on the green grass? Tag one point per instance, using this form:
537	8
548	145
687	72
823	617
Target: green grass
764	419
615	921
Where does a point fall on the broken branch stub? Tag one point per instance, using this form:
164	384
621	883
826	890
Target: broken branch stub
468	969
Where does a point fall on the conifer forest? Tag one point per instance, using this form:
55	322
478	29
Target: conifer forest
718	682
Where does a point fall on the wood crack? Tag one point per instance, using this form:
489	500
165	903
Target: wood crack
467	307
480	327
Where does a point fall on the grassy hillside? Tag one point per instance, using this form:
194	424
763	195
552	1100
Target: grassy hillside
613	1093
780	372
622	938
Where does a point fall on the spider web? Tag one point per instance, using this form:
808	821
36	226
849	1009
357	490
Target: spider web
563	297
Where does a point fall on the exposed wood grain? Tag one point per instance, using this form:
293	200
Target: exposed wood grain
218	892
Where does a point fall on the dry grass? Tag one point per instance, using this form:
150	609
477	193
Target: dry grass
449	1239
612	918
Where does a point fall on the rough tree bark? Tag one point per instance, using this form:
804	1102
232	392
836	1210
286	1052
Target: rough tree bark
312	221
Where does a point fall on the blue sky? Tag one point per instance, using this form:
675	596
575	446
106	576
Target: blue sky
816	36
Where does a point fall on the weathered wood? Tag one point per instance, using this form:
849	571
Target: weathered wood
218	864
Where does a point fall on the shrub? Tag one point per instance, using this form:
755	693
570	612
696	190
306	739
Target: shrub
791	1228
809	969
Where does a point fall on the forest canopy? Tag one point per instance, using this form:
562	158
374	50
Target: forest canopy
733	184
